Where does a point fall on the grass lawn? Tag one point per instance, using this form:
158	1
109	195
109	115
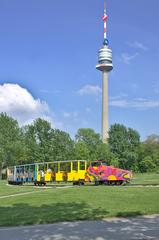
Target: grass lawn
42	205
145	178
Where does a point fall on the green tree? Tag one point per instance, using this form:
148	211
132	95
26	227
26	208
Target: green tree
103	152
41	143
38	137
10	141
149	148
81	151
114	161
91	140
62	146
147	165
124	143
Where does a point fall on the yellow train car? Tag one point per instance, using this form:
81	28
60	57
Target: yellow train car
61	171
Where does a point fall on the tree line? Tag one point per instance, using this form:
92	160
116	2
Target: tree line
39	142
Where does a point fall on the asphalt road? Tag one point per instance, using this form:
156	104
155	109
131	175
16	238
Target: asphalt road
139	228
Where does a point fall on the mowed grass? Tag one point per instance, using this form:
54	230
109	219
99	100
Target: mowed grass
77	203
145	178
6	190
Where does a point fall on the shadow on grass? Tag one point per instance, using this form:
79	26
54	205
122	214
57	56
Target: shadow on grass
129	214
24	214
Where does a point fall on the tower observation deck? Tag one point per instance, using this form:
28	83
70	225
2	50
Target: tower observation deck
105	59
105	65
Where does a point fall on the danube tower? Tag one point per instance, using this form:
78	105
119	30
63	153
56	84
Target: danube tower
105	66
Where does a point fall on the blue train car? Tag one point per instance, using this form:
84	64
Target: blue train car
22	174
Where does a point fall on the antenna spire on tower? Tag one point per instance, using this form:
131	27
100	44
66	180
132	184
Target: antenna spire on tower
105	6
105	17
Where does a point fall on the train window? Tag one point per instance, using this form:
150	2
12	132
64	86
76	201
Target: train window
66	167
75	166
19	170
99	163
32	168
54	167
104	163
82	165
96	164
10	171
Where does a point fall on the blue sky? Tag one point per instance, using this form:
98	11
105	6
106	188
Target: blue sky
48	53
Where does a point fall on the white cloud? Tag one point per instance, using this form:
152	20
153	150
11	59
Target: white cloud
138	45
137	103
90	90
18	103
127	58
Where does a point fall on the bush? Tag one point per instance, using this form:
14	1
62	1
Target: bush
147	165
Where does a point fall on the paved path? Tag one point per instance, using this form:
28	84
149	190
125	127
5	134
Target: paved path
140	228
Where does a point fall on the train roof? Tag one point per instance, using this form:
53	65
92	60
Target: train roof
42	163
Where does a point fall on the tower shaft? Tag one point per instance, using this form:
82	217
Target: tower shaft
105	125
105	65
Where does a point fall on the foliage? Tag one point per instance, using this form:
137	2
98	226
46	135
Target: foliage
114	161
10	139
90	139
39	142
147	165
124	143
103	152
45	144
149	152
37	137
62	146
81	151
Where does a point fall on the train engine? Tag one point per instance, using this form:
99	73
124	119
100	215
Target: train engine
100	173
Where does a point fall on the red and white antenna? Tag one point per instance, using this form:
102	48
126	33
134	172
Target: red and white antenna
105	17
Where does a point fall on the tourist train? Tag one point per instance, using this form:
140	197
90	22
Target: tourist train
76	172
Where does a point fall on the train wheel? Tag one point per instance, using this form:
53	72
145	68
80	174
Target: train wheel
123	183
119	182
80	183
105	183
96	183
112	183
